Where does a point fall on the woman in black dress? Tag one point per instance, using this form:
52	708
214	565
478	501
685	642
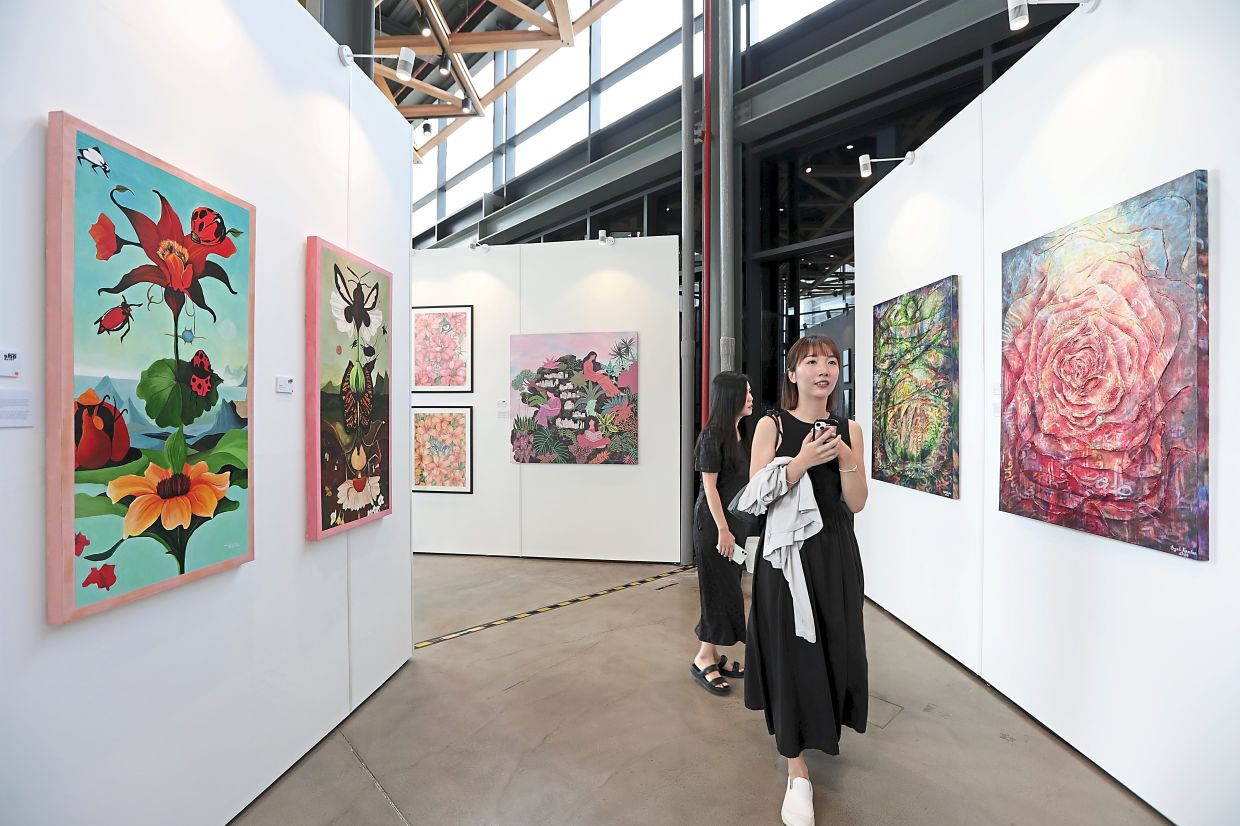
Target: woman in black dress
809	691
722	457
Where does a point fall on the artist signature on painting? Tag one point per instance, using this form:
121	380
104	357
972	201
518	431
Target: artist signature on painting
1180	549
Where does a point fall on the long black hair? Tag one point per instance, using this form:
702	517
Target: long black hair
728	392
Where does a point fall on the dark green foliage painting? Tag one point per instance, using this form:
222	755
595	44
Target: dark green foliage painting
916	390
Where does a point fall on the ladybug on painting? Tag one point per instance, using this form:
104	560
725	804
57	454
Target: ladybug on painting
200	378
116	319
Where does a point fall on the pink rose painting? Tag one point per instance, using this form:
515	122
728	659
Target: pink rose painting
1106	373
442	450
443	349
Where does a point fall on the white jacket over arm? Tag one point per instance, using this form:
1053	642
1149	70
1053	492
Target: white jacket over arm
791	517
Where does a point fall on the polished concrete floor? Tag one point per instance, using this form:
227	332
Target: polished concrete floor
587	715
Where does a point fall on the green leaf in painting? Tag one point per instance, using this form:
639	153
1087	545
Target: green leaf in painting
85	505
169	401
103	555
176	450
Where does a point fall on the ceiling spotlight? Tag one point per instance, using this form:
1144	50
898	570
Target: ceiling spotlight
605	240
445	65
850	146
479	245
404	64
808	170
467	105
1018	10
423	25
867	163
404	60
426	127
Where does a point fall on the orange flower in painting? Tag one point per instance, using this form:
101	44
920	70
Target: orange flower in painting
173	498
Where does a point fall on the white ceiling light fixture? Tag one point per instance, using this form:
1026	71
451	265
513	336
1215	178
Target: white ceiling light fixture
605	240
1018	10
479	245
867	163
404	60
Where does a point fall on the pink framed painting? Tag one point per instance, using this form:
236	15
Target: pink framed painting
150	295
443	449
348	398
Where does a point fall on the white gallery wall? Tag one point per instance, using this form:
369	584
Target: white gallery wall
610	512
926	566
182	707
1127	653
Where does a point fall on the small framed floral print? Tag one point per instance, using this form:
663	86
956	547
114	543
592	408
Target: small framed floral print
443	449
443	349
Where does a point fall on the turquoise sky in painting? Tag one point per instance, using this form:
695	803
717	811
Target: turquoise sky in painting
150	338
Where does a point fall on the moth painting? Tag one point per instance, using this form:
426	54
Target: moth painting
150	276
574	398
443	349
1105	421
916	390
443	450
348	376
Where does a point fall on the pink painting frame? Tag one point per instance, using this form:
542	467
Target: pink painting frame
62	129
314	470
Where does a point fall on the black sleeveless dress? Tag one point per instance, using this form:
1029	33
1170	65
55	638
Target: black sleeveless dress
809	691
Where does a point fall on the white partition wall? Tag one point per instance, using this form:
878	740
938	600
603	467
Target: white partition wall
1127	653
923	224
182	707
613	512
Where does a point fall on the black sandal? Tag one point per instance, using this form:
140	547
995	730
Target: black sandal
736	672
714	686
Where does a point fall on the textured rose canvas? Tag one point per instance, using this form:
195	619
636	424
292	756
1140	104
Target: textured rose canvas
916	379
1105	373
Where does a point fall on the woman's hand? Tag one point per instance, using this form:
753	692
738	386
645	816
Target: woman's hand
727	543
821	449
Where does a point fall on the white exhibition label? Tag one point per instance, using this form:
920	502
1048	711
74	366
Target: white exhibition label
501	410
10	363
16	407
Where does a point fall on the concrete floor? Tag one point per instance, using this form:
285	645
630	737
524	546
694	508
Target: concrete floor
587	714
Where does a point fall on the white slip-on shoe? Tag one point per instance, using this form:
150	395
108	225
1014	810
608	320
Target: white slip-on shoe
798	807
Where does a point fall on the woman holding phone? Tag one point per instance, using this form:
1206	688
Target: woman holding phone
810	690
722	457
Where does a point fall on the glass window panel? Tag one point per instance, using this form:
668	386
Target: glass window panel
424	218
773	16
649	82
469	143
469	190
634	26
483	76
424	179
557	137
552	82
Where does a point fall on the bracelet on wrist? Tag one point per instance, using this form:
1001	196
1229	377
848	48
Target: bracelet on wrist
852	469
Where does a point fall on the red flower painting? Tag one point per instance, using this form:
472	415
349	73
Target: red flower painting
1105	383
103	577
178	261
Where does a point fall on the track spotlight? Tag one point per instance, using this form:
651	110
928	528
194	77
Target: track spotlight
478	245
1018	10
605	240
445	65
404	60
867	163
423	25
